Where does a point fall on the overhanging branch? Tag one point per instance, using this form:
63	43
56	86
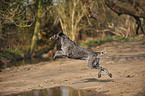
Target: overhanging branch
90	13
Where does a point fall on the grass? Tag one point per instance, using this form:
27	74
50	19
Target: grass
118	39
17	52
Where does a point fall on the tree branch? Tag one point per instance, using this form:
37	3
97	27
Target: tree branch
125	7
134	8
91	14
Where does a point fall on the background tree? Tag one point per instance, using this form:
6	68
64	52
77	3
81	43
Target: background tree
37	24
70	14
135	8
24	27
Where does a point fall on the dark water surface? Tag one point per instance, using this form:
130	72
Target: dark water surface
27	61
60	91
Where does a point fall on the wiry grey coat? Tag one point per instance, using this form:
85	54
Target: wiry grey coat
72	50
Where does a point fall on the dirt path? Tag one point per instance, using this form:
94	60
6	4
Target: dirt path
125	60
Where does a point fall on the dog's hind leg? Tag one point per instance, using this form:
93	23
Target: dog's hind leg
99	74
91	63
109	74
105	70
97	62
58	54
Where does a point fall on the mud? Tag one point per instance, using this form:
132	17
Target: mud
125	60
60	91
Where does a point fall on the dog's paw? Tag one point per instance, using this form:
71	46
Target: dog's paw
99	75
110	75
54	58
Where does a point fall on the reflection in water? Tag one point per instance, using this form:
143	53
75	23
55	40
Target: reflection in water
60	91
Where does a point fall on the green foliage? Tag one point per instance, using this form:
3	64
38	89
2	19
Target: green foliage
18	19
118	39
17	52
90	42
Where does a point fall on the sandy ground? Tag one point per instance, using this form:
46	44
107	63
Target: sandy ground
125	60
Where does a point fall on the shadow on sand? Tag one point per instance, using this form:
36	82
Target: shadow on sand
94	80
97	80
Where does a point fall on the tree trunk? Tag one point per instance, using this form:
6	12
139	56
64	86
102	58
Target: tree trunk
37	27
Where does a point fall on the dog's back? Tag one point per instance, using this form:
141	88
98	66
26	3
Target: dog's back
73	50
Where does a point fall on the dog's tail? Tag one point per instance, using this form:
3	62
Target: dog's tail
102	52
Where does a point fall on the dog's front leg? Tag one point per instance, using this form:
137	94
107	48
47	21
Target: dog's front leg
59	54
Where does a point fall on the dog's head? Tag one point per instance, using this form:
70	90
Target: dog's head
56	36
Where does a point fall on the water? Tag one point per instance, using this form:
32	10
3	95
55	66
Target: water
27	61
60	91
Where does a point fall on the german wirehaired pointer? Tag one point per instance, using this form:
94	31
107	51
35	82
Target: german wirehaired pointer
72	50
